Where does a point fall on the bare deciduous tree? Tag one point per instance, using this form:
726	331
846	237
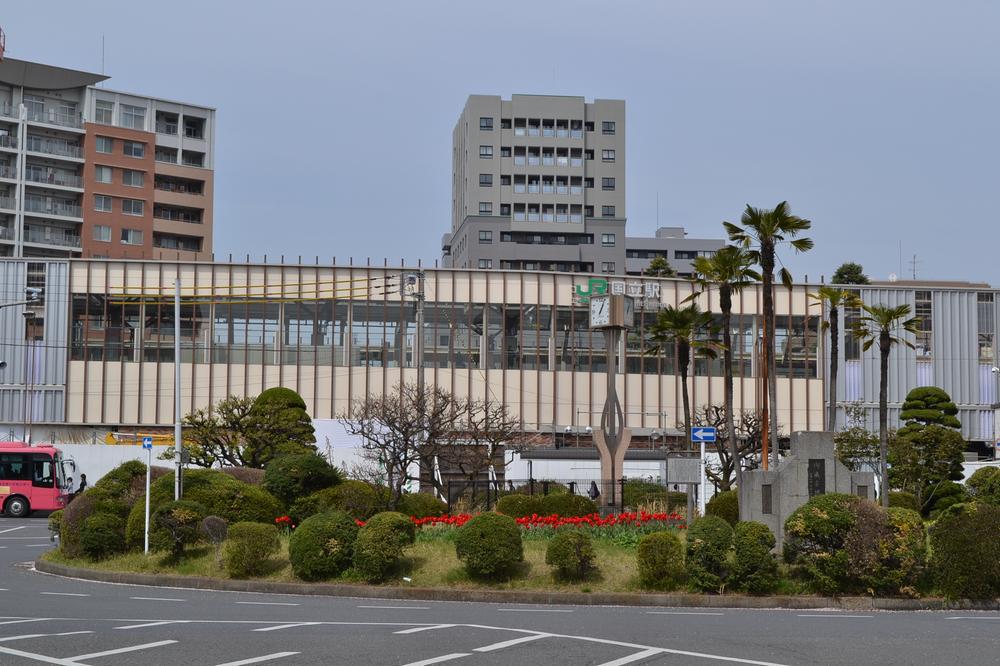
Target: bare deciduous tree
748	442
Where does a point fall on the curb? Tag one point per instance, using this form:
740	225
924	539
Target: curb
515	596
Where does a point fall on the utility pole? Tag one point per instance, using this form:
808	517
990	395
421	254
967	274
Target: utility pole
178	441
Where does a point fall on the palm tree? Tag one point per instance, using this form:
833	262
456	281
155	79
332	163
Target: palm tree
834	298
687	329
731	269
878	325
763	230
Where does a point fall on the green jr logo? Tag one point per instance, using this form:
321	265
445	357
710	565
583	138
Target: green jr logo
595	287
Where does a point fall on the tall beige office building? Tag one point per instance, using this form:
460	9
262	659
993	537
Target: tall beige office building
538	184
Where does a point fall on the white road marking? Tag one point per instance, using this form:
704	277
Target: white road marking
257	660
151	624
510	643
416	630
65	594
834	615
11	529
105	653
974	617
266	603
398	607
40	657
155	599
37	545
21	621
533	610
23	636
438	660
633	657
287	626
680	613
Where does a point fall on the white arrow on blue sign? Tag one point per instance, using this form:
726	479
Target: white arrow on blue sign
147	442
703	435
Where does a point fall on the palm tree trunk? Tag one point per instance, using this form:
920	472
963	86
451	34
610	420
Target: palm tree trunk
725	298
684	358
767	266
883	416
834	367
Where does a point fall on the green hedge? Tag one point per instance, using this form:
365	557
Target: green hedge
755	568
359	499
565	504
248	549
323	545
815	534
421	505
725	505
175	525
102	535
571	554
984	485
708	542
380	544
520	506
292	476
904	500
489	545
964	558
660	559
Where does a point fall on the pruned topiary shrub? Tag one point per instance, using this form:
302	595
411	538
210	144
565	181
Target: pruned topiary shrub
725	505
885	549
566	504
660	559
102	535
904	500
248	549
489	545
358	499
323	545
380	544
81	508
176	525
755	568
253	476
293	476
520	506
55	522
963	551
814	539
421	505
941	496
571	554
984	485
708	543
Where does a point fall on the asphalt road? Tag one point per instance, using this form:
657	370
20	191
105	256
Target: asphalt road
51	620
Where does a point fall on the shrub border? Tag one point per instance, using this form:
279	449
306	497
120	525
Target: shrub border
515	596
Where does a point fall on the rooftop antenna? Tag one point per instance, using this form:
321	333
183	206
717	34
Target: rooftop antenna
913	266
3	43
657	209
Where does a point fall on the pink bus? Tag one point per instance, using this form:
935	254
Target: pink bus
32	478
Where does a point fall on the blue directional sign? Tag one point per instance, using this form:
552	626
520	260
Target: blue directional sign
147	442
703	435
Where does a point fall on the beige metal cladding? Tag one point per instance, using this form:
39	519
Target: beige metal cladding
336	334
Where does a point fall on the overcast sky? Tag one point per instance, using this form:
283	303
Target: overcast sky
876	120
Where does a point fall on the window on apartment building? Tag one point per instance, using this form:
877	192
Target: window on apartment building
104	112
607	127
194	128
607	156
588	183
505	123
607	211
486	263
486	124
104	144
589	126
588	211
685	254
986	332
102	233
102	203
486	152
132	178
607	183
607	267
504	151
485	208
133	117
485	236
608	240
132	206
588	154
132	236
134	149
485	180
505	209
102	174
925	311
505	180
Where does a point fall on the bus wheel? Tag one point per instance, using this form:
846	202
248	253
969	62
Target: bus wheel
17	507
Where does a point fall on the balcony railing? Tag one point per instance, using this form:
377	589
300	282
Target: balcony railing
174	216
49	207
53	147
7	110
166	128
51	236
54	117
193	161
8	203
8	141
53	178
8	171
6	233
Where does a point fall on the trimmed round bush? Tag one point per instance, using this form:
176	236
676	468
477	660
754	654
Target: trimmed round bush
942	496
520	506
293	476
248	549
904	500
708	543
176	525
249	475
489	545
323	545
963	551
380	544
755	568
984	485
358	499
725	505
102	535
421	505
310	505
565	504
571	554
885	550
81	508
660	558
814	539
